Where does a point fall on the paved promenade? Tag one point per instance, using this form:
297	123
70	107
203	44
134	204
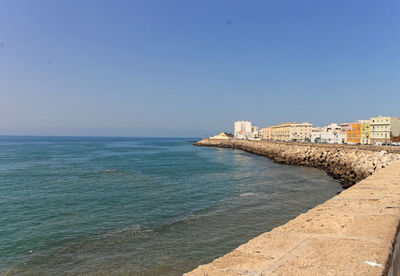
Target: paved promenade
353	233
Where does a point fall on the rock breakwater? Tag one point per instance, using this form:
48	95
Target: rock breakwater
354	233
348	163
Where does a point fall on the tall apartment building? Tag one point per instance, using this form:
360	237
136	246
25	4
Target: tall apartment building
384	129
291	132
244	130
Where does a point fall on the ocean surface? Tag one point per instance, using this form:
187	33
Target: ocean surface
139	206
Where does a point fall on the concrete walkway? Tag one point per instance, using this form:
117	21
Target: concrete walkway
351	234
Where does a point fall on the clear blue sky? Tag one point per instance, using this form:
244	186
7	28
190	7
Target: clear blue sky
191	68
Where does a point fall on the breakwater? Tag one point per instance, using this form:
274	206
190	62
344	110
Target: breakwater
354	233
348	163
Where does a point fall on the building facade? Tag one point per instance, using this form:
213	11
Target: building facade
254	132
301	132
242	129
266	133
384	129
330	134
354	134
359	133
291	132
365	133
345	126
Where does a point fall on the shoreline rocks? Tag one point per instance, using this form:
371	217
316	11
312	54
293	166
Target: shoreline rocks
347	163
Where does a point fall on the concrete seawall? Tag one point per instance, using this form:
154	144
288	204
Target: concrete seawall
354	233
349	164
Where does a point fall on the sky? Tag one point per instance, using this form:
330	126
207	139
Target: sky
191	68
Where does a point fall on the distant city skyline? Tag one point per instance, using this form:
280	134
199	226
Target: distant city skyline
192	68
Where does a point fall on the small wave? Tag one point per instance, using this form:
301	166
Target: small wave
247	194
110	170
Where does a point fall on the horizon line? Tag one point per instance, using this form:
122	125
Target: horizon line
95	136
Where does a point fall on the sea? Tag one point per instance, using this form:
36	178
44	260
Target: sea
139	206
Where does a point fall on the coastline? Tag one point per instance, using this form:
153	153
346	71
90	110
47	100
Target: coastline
201	194
348	163
354	233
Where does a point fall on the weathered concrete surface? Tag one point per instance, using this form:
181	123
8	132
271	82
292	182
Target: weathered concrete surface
353	233
350	164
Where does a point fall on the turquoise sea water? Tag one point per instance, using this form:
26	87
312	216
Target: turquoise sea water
138	206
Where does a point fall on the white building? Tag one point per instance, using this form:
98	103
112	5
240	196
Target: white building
330	134
244	130
254	132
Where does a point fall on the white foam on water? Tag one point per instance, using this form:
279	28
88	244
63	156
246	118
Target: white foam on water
111	170
247	194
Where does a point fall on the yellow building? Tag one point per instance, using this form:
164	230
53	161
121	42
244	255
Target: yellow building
292	132
365	133
281	132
